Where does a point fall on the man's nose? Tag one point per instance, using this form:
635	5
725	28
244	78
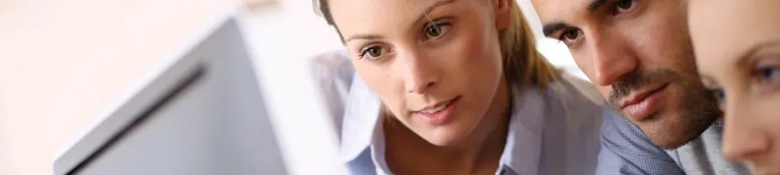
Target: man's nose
611	59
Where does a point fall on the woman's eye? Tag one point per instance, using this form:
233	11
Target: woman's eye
569	36
371	53
768	74
623	6
719	94
436	29
720	97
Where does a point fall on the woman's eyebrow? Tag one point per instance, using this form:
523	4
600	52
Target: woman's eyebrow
424	14
363	36
746	57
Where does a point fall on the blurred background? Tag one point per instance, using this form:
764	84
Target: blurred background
62	63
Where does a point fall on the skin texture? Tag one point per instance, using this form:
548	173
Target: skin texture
633	47
413	61
739	59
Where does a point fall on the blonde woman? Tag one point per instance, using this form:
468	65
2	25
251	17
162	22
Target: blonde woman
456	87
737	47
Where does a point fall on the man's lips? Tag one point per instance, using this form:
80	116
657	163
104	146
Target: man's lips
637	97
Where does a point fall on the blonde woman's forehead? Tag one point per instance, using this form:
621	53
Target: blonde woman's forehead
385	11
741	23
390	11
725	32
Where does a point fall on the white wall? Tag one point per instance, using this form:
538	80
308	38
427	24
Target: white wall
62	62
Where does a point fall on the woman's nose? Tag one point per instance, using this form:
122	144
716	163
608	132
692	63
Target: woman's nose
743	138
419	73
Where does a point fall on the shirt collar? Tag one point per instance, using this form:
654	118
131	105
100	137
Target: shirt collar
361	117
524	140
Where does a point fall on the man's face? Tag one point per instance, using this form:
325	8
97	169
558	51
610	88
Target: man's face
639	55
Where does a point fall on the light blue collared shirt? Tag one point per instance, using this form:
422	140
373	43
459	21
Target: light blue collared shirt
551	131
627	150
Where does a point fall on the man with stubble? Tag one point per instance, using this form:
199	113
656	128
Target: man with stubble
639	54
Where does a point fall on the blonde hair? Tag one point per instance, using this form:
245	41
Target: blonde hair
523	64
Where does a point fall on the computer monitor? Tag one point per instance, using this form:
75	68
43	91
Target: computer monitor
202	113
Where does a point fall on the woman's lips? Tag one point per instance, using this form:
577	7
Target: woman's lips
439	113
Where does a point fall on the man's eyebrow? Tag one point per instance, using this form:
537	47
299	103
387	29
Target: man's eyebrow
552	27
424	14
595	4
746	58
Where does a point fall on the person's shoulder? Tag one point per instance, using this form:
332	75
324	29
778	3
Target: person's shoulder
332	73
354	108
626	149
567	116
573	103
578	86
576	97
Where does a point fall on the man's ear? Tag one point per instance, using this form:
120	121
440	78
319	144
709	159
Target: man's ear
503	10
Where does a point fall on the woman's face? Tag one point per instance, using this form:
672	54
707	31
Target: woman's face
436	64
737	45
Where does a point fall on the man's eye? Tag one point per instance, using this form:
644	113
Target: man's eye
569	36
623	6
372	53
436	29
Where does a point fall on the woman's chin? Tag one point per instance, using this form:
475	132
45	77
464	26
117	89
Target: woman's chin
451	133
445	137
